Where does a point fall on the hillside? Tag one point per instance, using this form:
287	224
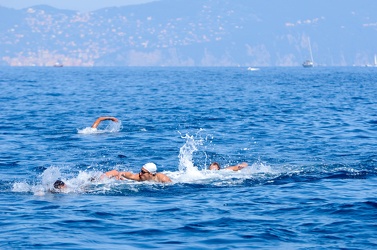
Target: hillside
192	33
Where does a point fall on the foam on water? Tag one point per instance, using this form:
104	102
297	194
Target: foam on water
89	181
76	184
189	173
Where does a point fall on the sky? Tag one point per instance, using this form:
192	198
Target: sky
78	5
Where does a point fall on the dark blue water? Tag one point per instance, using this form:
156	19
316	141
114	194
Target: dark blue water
308	135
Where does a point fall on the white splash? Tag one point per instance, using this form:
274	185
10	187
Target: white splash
186	153
89	130
189	173
49	176
21	187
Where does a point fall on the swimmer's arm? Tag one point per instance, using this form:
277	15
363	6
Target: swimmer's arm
103	118
237	167
128	175
111	174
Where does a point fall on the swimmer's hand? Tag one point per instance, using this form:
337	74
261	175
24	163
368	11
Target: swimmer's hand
242	165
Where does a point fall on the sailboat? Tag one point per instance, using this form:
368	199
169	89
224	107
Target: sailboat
309	63
375	62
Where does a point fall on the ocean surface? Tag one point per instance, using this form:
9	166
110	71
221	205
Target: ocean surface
309	137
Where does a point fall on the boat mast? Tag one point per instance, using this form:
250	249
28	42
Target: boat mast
310	49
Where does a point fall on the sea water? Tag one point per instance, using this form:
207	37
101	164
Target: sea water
309	137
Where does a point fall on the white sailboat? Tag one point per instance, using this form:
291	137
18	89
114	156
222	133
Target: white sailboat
309	63
375	62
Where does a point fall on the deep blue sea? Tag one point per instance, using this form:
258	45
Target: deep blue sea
308	135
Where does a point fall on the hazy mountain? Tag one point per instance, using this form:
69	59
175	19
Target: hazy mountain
193	33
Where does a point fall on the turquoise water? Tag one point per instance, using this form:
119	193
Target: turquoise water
308	135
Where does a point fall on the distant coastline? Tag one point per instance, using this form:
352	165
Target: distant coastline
185	33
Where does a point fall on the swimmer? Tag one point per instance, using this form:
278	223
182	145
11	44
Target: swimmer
147	173
216	166
103	118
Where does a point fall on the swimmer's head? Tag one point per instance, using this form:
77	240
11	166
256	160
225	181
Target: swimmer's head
214	166
59	184
150	167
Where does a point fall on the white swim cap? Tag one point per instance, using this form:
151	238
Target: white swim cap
151	167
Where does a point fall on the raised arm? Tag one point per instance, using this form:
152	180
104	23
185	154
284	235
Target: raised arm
237	167
103	118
